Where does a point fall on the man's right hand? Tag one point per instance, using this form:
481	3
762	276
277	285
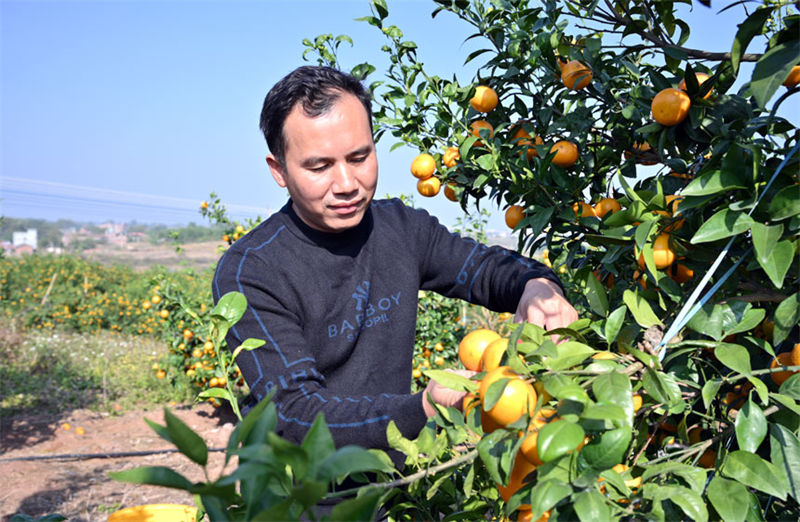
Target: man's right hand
443	396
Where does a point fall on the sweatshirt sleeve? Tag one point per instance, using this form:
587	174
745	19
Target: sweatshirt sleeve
286	365
490	276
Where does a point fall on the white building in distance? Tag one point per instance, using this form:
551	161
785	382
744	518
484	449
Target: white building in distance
29	237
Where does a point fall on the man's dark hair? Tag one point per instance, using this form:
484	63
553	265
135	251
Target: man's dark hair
316	88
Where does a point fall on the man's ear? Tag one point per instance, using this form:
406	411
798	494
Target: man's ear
277	170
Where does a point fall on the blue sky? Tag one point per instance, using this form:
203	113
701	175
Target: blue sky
139	109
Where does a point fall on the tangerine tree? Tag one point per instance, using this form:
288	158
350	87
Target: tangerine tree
663	183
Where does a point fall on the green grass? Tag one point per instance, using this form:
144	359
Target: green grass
53	371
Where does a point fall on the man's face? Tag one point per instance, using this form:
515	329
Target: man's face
331	169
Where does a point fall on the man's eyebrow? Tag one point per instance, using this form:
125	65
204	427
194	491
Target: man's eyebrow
366	149
313	160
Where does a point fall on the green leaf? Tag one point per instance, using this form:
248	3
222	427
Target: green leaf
785	204
494	393
290	454
231	306
710	389
708	321
764	240
734	356
187	441
714	182
400	443
753	471
350	459
492	449
154	476
568	354
604	411
363	507
787	316
724	223
729	498
785	455
751	426
318	443
558	438
791	387
778	262
688	500
788	402
772	69
751	318
546	494
607	449
615	388
596	295
614	324
694	477
748	29
591	506
640	309
663	388
309	492
452	381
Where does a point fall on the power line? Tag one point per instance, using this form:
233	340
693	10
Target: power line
102	201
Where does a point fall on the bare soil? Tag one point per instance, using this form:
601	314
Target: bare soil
141	256
80	489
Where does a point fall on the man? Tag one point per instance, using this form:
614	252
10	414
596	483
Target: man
332	278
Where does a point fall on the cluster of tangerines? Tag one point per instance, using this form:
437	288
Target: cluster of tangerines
664	257
45	292
575	76
483	350
671	106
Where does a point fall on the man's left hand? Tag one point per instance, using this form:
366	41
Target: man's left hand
542	303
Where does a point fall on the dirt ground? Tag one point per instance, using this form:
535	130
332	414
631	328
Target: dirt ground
80	489
141	256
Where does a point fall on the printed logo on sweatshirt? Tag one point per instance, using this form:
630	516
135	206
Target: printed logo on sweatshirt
368	314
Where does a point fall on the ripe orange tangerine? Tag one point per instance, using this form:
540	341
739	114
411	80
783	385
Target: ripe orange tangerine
576	75
566	153
484	100
701	78
638	153
526	515
670	106
680	273
514	215
450	193
429	187
783	359
793	78
423	166
663	255
795	359
493	354
606	205
472	346
476	127
450	157
521	469
582	209
518	396
523	139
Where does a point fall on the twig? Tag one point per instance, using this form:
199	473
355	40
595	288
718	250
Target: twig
452	463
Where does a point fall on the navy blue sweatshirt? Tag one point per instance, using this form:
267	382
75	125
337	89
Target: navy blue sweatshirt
338	313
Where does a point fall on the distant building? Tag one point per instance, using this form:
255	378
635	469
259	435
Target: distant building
22	250
29	238
115	233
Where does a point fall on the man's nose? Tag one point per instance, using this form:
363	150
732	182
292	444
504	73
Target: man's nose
344	179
